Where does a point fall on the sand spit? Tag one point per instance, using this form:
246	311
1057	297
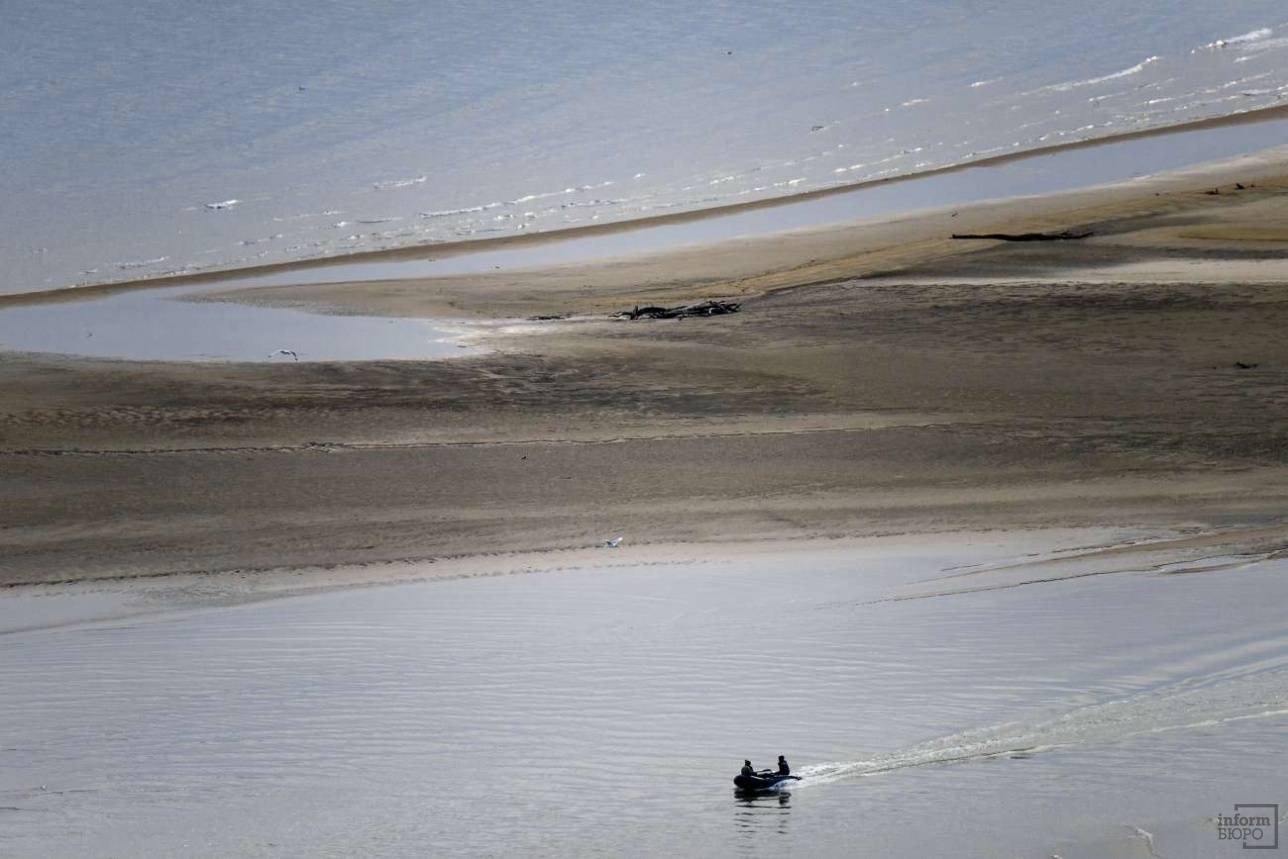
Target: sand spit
439	250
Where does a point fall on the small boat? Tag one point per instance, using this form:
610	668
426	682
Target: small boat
763	780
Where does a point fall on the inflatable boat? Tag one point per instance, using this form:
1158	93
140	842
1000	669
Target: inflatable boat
764	780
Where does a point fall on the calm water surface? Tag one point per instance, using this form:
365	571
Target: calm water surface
161	325
604	712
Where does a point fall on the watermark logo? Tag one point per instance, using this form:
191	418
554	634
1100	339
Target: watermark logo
1255	825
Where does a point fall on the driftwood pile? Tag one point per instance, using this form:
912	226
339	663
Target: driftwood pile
1025	237
684	311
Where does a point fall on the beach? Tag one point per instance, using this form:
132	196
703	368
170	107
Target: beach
985	534
880	378
477	431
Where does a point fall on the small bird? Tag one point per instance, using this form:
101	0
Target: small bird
613	543
284	352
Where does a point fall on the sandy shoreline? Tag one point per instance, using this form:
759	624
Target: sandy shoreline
881	379
762	265
1036	557
471	246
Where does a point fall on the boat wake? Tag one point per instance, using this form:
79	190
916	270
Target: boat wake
1256	689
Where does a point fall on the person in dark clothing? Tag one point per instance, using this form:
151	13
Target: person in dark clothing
783	768
746	768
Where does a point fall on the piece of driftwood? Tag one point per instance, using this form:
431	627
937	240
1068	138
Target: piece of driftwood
684	311
1025	237
548	317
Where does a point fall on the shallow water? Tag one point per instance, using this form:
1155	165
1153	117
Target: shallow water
605	712
160	325
146	138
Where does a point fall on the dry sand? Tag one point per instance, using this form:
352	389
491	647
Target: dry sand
881	379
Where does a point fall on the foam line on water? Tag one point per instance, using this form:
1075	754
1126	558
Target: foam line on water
1122	73
1244	39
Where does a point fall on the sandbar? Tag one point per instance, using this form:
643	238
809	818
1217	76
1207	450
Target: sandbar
881	378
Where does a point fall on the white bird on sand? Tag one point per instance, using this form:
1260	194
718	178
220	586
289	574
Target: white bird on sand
613	543
283	352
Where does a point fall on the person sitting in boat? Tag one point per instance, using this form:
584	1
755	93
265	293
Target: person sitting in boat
783	768
746	768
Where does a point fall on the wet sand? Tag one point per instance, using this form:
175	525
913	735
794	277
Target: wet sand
882	378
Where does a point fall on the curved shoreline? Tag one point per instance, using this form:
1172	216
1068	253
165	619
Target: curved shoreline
472	246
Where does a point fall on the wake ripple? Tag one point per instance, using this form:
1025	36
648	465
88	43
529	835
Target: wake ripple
1258	692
